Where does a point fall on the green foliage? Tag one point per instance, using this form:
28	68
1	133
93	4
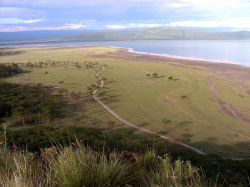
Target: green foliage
29	104
171	78
39	137
9	70
155	75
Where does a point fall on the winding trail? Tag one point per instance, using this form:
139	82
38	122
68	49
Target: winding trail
128	123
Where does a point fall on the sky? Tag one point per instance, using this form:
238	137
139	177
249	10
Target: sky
25	15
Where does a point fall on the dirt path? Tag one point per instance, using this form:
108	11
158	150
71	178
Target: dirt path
225	107
128	123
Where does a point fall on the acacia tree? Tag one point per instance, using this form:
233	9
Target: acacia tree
155	75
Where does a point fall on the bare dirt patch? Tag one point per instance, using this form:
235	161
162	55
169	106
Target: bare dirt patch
168	99
211	86
231	111
225	107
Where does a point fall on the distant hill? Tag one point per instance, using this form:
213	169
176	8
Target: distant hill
36	35
119	35
159	34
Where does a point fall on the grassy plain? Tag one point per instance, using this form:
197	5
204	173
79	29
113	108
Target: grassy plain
202	104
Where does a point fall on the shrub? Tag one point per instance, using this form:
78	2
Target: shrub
83	167
171	78
155	75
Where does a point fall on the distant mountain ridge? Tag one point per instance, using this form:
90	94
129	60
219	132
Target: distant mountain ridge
160	34
36	35
119	35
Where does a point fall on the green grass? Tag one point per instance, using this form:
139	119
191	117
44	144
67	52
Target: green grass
191	110
143	101
37	54
68	77
79	166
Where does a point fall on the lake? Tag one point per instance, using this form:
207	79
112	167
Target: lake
236	52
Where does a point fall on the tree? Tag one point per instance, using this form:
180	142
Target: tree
171	78
155	75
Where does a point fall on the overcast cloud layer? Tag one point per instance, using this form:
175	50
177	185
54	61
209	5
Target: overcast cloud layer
21	15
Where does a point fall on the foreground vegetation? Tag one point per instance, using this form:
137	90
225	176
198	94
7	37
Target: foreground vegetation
37	138
79	166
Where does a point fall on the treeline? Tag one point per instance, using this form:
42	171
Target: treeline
9	70
52	63
32	104
9	52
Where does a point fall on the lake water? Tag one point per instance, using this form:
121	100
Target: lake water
236	52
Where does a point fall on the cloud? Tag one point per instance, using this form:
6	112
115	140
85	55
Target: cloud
32	20
24	13
70	26
76	2
12	29
67	26
132	25
199	5
115	14
4	21
232	23
175	5
216	8
207	4
240	23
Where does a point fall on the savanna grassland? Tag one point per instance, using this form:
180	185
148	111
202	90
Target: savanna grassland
202	104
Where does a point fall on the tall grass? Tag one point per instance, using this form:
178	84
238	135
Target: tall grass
76	166
23	170
83	167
